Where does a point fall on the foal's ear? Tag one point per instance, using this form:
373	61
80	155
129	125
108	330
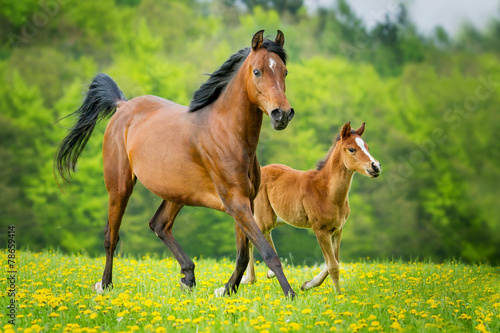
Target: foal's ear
257	40
345	131
280	38
361	130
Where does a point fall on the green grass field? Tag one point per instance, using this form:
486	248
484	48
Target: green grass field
53	294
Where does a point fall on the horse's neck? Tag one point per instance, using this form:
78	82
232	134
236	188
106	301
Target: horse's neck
238	114
337	178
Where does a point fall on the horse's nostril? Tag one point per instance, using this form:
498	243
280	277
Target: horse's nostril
291	114
375	167
276	114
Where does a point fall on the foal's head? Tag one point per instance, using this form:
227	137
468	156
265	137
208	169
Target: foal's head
354	152
265	78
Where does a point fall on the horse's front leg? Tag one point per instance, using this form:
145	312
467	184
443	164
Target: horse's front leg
242	260
240	208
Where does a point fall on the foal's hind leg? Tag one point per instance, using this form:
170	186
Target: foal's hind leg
162	223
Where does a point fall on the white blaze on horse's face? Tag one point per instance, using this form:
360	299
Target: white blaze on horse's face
272	64
361	145
373	167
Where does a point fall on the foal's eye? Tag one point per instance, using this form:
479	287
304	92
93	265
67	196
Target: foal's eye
257	73
352	150
286	73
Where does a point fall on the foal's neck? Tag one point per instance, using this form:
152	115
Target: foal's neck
338	178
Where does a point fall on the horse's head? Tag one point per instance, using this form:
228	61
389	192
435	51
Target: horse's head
265	78
355	154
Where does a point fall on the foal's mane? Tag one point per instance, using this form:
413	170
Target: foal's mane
321	163
218	80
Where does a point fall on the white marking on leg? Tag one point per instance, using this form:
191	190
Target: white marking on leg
219	292
98	287
270	274
245	279
361	145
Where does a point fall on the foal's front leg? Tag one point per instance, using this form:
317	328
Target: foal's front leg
332	265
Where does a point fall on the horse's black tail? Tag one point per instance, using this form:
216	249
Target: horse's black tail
99	103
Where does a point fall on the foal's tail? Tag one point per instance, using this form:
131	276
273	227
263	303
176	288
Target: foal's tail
99	103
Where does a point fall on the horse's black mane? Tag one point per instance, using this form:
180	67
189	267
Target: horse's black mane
321	163
218	80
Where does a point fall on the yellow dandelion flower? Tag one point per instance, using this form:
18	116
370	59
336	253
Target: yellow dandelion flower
53	314
481	328
396	326
171	317
93	315
306	311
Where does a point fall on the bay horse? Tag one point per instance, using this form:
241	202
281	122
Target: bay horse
201	155
315	199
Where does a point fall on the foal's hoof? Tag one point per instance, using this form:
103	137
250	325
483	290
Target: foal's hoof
270	274
307	285
220	292
98	287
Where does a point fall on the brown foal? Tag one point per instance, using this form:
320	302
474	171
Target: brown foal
201	155
316	199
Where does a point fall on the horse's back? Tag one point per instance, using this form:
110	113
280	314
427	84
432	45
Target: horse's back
158	137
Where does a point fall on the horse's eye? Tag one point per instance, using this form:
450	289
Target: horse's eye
352	150
257	73
286	73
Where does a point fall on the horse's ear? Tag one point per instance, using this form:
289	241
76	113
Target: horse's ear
257	40
361	130
280	38
345	131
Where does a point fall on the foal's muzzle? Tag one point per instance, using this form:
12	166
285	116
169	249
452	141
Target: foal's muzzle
281	118
376	170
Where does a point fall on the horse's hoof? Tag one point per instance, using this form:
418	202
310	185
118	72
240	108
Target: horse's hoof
291	294
98	287
219	292
185	287
270	274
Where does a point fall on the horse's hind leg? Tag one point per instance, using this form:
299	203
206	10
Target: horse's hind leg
118	199
120	183
162	223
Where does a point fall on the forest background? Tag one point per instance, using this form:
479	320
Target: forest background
430	104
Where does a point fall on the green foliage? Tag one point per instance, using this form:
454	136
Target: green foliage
429	103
